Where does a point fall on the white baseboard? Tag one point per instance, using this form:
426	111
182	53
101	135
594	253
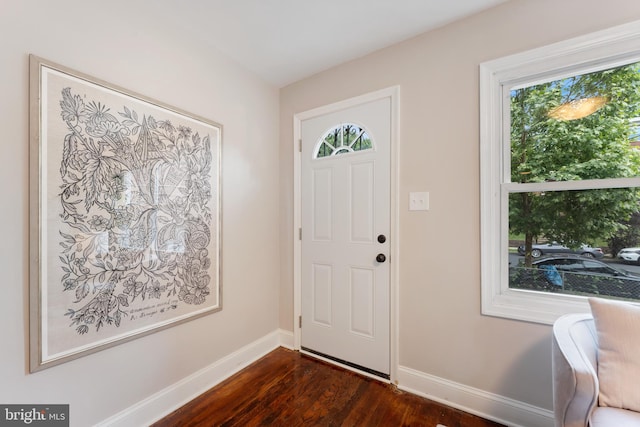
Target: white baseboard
475	401
286	339
171	398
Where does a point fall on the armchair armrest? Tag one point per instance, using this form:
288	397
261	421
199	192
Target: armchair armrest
575	379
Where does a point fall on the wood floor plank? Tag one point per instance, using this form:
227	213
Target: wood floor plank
286	388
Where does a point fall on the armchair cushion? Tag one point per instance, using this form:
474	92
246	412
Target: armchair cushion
618	330
614	417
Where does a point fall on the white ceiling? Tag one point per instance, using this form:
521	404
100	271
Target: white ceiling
286	40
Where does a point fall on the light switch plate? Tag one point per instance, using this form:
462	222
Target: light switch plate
419	201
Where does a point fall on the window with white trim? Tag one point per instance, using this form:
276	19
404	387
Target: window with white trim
560	174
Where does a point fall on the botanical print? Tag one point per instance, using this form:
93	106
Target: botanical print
132	201
135	222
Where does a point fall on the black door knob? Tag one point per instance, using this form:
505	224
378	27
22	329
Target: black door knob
382	238
381	258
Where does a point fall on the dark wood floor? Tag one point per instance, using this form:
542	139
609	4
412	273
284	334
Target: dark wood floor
286	388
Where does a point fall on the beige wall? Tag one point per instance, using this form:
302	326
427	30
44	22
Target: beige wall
115	41
441	330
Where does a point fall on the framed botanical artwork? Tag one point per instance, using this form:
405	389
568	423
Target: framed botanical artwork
125	215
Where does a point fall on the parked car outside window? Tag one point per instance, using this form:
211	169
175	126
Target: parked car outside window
540	249
577	264
574	274
631	255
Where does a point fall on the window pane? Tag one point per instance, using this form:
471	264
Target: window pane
569	241
573	217
581	127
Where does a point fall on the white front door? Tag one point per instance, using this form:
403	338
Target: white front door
345	213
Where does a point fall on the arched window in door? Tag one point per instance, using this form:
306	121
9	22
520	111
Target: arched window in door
341	139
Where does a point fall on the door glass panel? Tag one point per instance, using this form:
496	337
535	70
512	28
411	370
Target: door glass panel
342	139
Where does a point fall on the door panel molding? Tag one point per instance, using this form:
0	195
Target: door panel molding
362	200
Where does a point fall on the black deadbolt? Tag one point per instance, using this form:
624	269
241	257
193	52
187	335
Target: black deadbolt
381	258
382	238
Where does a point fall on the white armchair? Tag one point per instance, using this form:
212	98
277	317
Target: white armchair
575	379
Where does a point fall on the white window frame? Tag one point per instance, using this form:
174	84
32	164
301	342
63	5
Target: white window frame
593	52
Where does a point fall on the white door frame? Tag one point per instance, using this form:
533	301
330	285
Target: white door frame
394	94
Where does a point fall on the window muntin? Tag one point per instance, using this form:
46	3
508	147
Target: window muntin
501	180
341	139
